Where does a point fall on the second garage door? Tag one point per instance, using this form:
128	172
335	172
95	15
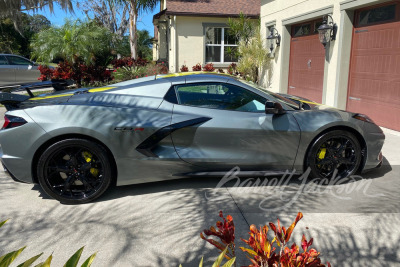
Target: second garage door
374	81
307	59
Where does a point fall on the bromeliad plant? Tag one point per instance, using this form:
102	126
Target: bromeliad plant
262	251
73	261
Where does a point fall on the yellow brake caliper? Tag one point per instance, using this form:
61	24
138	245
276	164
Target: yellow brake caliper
88	158
322	153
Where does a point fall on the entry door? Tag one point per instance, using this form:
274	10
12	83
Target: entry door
307	59
374	81
238	133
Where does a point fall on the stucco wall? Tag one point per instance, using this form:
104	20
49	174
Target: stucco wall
190	48
283	14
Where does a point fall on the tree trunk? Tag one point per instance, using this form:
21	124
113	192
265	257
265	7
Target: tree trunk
132	28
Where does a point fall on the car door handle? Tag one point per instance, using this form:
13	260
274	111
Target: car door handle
292	87
354	98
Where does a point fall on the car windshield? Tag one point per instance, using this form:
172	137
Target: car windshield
279	98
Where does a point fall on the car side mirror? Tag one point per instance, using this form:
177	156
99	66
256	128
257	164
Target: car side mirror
274	108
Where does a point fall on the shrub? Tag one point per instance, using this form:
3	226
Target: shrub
78	72
221	71
129	62
262	251
232	69
209	67
184	68
225	232
197	67
129	73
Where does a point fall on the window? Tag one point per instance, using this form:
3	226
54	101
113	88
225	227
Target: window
220	96
220	45
18	61
379	14
3	60
301	30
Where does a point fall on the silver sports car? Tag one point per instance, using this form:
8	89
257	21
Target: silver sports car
76	144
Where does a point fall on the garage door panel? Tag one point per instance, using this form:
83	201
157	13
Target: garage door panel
374	82
306	67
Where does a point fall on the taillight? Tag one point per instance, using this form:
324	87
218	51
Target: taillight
12	121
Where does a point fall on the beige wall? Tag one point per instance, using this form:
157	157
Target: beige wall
190	48
283	14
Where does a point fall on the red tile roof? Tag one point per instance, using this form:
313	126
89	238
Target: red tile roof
222	8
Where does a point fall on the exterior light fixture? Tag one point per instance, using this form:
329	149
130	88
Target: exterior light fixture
327	30
273	38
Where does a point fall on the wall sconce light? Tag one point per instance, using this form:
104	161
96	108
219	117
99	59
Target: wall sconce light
273	38
327	30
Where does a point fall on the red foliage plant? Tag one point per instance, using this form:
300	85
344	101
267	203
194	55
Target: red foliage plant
77	72
225	232
232	69
129	62
184	68
209	67
197	67
262	251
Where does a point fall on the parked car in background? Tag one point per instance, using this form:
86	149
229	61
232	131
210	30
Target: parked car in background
17	70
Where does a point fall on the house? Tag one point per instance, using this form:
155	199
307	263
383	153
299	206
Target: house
188	32
359	71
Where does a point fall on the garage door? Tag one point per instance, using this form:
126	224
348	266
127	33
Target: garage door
374	81
307	59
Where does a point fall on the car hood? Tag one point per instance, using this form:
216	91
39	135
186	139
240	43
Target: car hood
306	104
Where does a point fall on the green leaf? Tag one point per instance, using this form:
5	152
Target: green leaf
3	222
30	261
7	259
73	261
221	256
46	263
89	260
230	262
201	262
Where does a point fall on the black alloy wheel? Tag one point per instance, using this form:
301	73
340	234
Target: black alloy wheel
74	171
334	154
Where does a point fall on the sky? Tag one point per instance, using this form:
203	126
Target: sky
145	21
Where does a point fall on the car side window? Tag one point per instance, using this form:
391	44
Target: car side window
3	60
220	96
18	61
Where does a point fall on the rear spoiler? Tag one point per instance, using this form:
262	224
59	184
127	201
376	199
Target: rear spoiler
11	100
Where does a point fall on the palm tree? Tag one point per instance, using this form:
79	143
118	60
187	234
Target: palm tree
74	42
137	7
12	8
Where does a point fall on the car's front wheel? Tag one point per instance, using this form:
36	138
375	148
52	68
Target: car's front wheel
334	154
74	171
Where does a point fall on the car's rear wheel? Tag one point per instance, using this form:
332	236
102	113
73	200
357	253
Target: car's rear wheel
334	154
74	171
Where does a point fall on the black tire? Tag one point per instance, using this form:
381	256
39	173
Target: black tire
332	150
74	171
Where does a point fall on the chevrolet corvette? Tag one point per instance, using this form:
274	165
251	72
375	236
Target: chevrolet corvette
77	143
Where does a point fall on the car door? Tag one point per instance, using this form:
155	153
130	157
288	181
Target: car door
237	132
7	73
25	70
